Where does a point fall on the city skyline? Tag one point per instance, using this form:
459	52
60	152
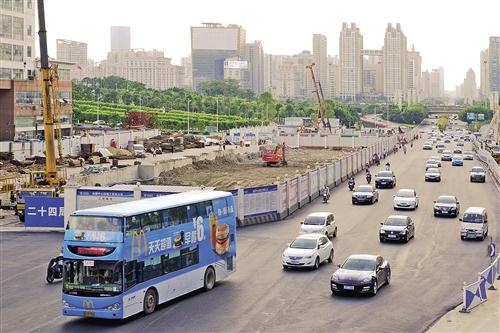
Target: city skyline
442	39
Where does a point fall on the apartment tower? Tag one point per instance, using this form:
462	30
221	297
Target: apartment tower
395	63
351	62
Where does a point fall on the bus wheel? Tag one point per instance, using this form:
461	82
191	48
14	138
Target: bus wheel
150	301
209	280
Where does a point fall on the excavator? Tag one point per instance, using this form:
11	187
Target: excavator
49	181
275	157
321	117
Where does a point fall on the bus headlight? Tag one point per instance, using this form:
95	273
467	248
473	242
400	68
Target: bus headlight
114	307
66	304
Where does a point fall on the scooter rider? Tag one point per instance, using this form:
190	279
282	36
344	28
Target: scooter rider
388	166
326	190
351	183
368	177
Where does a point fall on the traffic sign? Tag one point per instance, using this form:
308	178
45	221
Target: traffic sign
480	116
491	250
471	116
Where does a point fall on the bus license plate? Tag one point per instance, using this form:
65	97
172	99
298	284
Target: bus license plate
88	314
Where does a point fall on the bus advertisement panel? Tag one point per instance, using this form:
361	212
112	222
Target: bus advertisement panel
126	258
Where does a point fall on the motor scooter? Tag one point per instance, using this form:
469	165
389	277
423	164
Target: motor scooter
55	269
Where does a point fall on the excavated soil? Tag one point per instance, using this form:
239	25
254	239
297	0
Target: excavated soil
249	170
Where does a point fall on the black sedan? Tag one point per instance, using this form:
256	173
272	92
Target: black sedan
385	178
364	194
447	205
397	227
361	273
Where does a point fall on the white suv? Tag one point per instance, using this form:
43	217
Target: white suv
308	250
321	222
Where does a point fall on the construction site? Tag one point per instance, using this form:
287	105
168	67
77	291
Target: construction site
249	169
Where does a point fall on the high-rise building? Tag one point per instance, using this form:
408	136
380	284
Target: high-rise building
211	45
494	64
148	67
395	63
484	73
351	62
333	77
414	76
71	51
267	72
373	73
469	90
320	56
120	38
255	56
431	84
187	65
17	39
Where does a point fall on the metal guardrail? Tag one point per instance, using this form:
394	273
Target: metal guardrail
485	157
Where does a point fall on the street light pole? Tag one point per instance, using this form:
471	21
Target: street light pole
188	114
217	99
98	105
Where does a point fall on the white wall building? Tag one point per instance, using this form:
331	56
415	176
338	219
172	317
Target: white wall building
351	62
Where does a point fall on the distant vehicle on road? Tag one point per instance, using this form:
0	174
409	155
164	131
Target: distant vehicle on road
433	175
457	160
474	223
477	174
457	150
406	199
446	155
434	161
427	146
447	205
320	222
99	122
468	155
361	273
385	178
440	147
308	250
397	227
364	194
130	257
431	166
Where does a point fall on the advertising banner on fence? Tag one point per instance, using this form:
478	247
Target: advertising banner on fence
304	187
44	212
314	182
292	193
97	198
330	172
283	204
260	200
151	194
337	171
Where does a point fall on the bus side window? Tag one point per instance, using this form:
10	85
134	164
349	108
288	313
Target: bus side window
203	209
164	218
151	221
177	215
133	224
130	274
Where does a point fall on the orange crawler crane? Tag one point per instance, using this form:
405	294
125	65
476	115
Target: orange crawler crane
276	157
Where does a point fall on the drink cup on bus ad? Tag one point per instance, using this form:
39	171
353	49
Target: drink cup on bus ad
223	239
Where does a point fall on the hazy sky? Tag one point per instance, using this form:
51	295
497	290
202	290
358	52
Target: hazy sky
448	33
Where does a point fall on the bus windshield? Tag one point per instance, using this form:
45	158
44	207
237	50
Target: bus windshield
98	223
92	278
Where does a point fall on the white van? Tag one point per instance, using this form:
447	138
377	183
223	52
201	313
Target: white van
320	222
474	223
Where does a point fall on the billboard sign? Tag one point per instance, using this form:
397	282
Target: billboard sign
480	116
235	64
44	212
97	198
471	116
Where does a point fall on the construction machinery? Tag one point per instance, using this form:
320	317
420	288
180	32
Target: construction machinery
318	92
275	157
47	182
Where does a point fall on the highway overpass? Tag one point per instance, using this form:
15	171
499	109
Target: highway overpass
445	109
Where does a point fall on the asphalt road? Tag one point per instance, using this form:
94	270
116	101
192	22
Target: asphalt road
427	272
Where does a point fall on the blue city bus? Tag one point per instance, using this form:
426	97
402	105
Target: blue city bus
129	257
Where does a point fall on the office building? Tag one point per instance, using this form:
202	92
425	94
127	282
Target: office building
469	87
431	84
17	39
74	53
236	68
187	66
148	67
211	45
120	38
414	76
395	58
372	73
320	56
351	62
494	64
254	54
484	73
333	77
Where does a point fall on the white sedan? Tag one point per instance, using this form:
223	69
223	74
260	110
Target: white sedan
406	199
308	250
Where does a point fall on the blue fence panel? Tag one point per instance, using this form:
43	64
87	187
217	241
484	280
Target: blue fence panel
44	212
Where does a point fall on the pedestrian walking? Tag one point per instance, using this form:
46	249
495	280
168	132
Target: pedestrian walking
224	145
172	148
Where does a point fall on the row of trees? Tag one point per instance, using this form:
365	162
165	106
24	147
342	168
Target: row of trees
407	114
224	97
476	109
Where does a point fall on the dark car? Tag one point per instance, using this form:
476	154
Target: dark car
361	273
397	227
364	194
385	178
447	205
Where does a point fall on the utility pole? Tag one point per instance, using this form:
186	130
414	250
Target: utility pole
188	115
217	99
